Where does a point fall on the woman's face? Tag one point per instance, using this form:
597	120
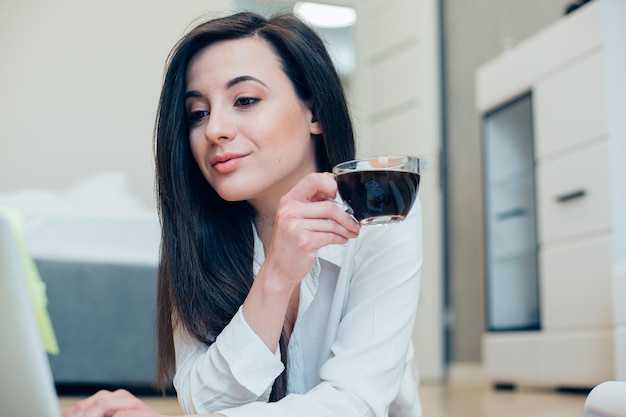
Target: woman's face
250	133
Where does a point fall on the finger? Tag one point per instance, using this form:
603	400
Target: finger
334	212
329	227
314	187
331	188
312	233
135	413
105	404
79	409
303	245
323	210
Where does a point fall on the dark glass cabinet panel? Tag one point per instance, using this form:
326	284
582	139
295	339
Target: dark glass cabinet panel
512	281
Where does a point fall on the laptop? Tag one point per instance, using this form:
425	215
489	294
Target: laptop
26	383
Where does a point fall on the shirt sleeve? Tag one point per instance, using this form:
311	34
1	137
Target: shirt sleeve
236	369
369	355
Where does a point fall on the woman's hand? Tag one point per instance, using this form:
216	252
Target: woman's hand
307	219
119	403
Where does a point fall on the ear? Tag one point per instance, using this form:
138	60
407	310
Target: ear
315	127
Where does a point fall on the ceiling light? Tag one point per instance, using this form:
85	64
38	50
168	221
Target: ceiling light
325	15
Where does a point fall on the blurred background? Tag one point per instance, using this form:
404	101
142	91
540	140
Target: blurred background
80	83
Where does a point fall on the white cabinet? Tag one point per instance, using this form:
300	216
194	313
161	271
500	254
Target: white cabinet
573	194
567	212
570	104
576	289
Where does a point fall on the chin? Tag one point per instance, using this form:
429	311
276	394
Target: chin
233	196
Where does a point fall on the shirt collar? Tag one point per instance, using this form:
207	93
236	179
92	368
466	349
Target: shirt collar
332	254
259	253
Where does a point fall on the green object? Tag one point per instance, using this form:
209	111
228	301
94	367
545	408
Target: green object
36	287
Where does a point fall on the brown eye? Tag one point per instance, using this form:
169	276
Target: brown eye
194	117
246	101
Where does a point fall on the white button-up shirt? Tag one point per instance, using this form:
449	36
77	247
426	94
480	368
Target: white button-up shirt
350	352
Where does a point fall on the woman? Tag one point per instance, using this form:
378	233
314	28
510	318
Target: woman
272	300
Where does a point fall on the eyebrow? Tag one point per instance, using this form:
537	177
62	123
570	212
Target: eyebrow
192	93
229	84
243	78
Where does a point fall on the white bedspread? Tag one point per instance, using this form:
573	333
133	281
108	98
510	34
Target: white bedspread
94	219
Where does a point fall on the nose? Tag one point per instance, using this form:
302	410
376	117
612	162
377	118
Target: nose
220	127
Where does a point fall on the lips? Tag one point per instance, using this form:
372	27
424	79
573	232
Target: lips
226	163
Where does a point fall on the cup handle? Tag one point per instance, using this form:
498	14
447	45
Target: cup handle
342	206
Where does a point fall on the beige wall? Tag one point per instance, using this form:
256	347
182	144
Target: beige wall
397	103
80	82
475	31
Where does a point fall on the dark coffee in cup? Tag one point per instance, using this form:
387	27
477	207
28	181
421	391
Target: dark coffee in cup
380	189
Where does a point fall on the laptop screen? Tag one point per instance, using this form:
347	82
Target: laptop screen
26	384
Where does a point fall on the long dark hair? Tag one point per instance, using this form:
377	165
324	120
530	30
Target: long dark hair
207	247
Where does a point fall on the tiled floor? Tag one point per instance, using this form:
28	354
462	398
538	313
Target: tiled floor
456	400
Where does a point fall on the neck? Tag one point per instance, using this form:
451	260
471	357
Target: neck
264	223
267	205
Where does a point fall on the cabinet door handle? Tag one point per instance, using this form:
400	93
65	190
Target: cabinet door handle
570	196
516	212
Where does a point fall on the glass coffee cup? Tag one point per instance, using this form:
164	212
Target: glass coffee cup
379	189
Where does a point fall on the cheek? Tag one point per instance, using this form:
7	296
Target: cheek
198	148
293	127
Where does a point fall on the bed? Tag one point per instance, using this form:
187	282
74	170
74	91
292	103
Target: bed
96	246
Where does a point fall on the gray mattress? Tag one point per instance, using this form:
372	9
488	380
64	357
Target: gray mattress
104	318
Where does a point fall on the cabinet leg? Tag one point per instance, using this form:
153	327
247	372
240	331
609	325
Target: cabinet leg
574	390
504	386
